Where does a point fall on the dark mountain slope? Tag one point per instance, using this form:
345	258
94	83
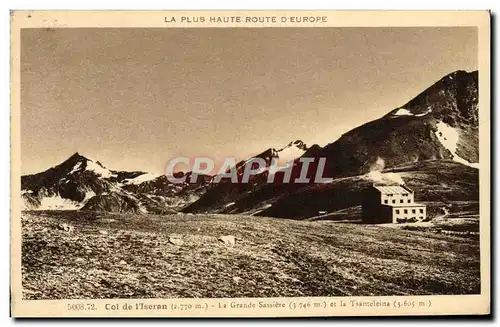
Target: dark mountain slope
439	124
411	133
441	181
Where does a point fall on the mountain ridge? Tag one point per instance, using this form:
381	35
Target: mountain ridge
440	123
80	183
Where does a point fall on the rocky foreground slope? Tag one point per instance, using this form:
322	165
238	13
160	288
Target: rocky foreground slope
85	255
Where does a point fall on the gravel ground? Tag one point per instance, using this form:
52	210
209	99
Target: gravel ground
85	255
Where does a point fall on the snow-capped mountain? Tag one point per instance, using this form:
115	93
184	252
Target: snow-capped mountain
292	150
224	191
68	185
86	184
439	125
289	152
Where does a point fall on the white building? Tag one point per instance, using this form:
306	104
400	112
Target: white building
391	204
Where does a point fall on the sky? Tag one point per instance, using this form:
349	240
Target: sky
134	98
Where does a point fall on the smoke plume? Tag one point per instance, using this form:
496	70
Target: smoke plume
376	175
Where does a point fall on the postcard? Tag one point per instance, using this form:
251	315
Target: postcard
250	163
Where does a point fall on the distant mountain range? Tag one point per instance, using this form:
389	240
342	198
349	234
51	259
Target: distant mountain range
431	140
82	183
86	184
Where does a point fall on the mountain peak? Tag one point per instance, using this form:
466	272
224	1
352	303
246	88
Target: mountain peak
297	143
463	72
78	162
452	99
75	158
78	155
292	150
456	78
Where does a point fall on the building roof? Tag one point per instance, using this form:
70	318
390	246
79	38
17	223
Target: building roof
405	205
392	189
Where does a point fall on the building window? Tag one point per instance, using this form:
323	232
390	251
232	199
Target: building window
405	211
421	218
393	201
397	211
401	201
385	201
409	201
421	210
413	210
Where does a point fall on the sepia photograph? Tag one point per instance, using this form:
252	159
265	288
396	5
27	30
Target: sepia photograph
250	162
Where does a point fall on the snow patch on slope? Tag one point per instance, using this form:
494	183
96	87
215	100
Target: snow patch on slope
92	166
89	194
76	168
259	210
406	112
449	136
403	112
424	113
58	203
290	153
